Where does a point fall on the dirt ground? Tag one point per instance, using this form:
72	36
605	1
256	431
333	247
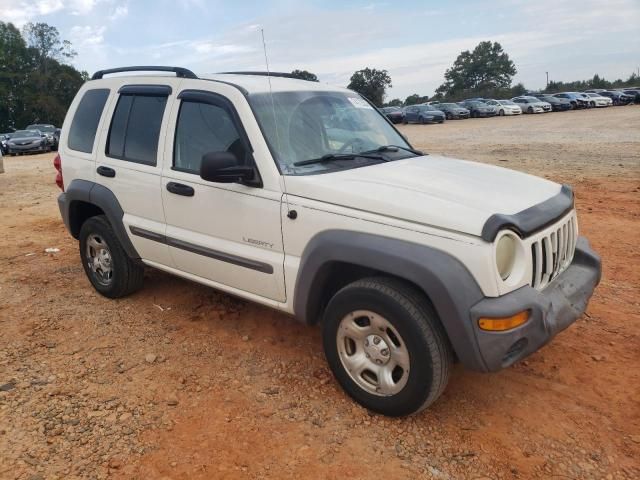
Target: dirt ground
179	381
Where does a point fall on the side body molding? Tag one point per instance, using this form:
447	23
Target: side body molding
95	194
446	281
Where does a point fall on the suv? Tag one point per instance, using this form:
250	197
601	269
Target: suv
305	198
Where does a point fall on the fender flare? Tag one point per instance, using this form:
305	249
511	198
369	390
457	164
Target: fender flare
443	278
103	198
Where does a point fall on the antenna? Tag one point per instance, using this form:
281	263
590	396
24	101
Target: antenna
290	214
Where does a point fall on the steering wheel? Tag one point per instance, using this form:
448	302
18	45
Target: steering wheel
351	143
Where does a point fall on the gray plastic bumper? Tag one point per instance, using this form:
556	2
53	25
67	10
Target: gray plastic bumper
552	310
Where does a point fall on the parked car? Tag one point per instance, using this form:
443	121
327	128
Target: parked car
486	275
393	113
479	109
27	141
4	138
557	104
618	98
635	93
597	100
596	90
50	132
532	104
577	101
423	114
452	110
505	107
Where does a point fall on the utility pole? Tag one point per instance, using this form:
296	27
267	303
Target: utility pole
547	78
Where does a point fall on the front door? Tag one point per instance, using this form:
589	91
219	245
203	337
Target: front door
227	233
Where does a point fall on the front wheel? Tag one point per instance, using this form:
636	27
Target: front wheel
108	267
386	346
501	113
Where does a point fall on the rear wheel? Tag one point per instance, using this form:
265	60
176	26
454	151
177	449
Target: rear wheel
386	346
109	269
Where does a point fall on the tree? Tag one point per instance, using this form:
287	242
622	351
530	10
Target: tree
45	39
28	91
415	99
371	83
486	69
396	102
305	75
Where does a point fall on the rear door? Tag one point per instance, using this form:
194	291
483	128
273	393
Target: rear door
128	162
227	233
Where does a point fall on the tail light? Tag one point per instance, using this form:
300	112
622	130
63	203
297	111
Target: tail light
57	163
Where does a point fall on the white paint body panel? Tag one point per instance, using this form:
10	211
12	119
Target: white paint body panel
442	192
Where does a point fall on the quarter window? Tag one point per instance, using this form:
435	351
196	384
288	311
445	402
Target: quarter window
82	133
204	128
135	128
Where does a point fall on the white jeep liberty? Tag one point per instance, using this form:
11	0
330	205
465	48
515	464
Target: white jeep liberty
304	198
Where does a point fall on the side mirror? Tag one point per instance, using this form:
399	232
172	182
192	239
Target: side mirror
222	167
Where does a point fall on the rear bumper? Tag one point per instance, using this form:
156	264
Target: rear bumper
551	311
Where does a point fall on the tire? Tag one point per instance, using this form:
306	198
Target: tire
404	121
448	116
530	110
501	113
409	318
115	274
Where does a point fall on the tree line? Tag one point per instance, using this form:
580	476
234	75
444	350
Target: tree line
35	83
486	71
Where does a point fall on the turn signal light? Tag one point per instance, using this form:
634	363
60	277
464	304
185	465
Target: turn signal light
505	323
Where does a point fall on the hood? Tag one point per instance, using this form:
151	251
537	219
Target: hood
25	139
430	190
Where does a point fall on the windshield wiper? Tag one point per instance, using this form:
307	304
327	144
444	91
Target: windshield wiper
395	148
332	157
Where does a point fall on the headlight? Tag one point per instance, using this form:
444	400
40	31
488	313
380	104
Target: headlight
506	250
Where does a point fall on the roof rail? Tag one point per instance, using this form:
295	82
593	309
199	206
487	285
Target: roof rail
179	71
264	74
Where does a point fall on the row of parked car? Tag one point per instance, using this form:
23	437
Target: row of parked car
438	112
38	137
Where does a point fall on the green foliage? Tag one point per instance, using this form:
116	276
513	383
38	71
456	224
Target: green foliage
596	82
415	99
305	75
371	83
487	69
396	102
34	85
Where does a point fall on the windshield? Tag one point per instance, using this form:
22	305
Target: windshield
506	102
42	128
448	105
308	125
24	134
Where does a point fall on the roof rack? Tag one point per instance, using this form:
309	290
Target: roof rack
264	74
179	71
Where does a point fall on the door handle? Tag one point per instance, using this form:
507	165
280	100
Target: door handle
106	171
180	189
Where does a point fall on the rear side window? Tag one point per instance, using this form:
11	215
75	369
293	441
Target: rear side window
83	129
135	128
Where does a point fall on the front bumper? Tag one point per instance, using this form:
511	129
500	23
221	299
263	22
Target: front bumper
551	311
26	148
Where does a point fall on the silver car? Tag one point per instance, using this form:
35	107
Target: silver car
505	107
532	104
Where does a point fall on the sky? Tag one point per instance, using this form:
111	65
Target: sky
415	41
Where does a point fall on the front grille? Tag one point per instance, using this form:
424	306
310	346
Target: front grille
552	252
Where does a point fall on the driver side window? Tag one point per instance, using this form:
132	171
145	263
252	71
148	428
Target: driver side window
203	128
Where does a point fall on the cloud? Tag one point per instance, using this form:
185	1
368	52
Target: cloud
21	12
86	36
119	12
